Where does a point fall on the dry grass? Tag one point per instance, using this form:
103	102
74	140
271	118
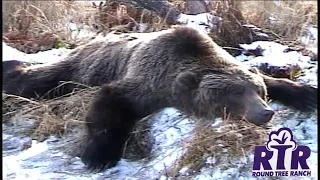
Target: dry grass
126	16
284	22
286	18
34	25
55	117
31	26
232	139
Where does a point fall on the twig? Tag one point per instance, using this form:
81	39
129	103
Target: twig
22	98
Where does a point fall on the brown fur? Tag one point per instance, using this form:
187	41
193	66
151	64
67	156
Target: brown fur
144	73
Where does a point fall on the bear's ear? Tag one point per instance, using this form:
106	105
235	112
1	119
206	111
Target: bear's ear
254	70
187	81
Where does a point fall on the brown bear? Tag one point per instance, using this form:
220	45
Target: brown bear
144	73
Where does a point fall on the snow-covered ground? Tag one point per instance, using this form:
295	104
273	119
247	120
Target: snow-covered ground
274	55
51	56
24	158
44	161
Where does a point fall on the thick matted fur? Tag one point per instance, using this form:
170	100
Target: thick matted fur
144	73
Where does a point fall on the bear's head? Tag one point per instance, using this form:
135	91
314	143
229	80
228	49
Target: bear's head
235	94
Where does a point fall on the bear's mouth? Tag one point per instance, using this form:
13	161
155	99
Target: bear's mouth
262	117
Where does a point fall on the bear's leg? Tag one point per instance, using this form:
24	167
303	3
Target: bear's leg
110	119
41	82
11	65
302	97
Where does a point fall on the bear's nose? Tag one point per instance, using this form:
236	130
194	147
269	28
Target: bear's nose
266	115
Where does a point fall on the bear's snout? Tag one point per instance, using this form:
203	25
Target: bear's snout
257	110
266	115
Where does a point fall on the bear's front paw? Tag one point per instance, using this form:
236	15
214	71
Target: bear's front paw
99	155
305	98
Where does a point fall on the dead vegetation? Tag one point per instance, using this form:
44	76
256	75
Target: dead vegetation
284	22
114	15
54	117
232	139
285	18
32	26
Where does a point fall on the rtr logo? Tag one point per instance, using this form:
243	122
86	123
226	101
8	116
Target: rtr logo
281	156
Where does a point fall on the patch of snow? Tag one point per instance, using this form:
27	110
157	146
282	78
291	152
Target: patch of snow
211	160
92	1
274	55
292	58
310	38
244	58
80	31
217	122
202	22
277	2
184	171
72	26
143	27
48	57
273	19
269	46
310	77
313	49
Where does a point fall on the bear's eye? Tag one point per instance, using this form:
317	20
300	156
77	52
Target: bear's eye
259	91
238	93
238	90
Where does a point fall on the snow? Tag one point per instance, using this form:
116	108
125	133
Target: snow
81	32
43	161
311	36
202	22
274	55
280	59
47	57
